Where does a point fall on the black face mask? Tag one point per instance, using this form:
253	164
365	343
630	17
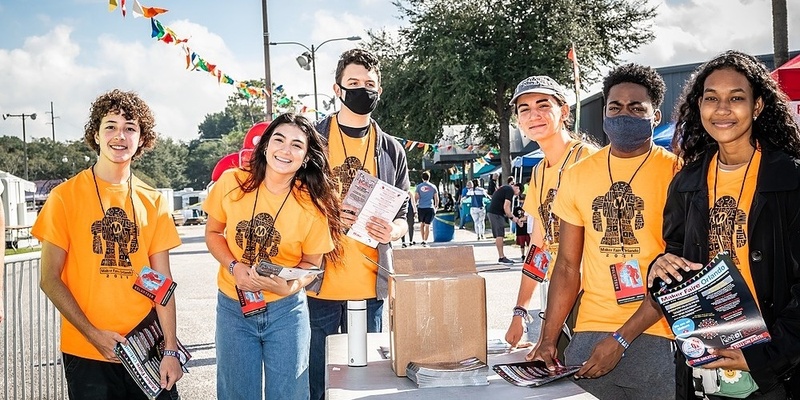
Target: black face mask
361	101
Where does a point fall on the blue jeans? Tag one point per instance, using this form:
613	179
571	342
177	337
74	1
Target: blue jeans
329	317
270	348
100	380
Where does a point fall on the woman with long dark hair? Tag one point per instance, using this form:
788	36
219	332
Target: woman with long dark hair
739	192
282	209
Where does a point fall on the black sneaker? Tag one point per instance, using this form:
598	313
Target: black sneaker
424	244
405	245
505	260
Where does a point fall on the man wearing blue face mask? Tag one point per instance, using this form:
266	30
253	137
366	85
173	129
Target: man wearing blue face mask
356	142
611	206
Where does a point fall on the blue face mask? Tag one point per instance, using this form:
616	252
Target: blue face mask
628	133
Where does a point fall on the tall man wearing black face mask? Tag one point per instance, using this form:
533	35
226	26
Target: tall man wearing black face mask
611	206
356	142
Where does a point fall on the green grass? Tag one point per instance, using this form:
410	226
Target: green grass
23	250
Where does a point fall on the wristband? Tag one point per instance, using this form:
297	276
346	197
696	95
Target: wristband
522	312
231	265
621	340
174	353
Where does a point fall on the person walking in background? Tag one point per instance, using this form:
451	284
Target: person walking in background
543	116
499	210
611	207
524	225
282	209
356	142
493	180
98	230
427	197
410	216
739	192
477	208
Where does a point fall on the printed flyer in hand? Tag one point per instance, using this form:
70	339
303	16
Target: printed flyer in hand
371	197
712	309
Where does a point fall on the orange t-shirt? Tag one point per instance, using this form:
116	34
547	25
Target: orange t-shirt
728	206
354	276
544	183
105	253
622	227
254	233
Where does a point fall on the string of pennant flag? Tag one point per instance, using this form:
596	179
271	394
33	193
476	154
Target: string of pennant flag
194	62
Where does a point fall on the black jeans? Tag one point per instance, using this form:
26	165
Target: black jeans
99	380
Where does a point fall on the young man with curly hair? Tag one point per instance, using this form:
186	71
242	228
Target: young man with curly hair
98	230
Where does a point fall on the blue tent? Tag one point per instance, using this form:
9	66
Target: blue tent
528	160
662	136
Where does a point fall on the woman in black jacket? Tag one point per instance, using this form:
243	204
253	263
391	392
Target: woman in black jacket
739	192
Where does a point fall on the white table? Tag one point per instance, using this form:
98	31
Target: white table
377	380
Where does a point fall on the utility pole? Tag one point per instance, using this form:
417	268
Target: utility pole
52	121
267	76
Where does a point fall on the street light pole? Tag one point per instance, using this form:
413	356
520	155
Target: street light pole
24	139
312	59
267	74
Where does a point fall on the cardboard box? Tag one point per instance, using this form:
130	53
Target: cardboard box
437	307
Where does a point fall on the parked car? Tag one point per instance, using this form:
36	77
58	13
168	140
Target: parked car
189	216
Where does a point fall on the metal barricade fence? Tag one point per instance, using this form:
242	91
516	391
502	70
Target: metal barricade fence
31	360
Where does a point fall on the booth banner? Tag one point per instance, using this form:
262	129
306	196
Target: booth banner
795	107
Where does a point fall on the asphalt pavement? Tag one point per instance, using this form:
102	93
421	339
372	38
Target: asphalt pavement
195	271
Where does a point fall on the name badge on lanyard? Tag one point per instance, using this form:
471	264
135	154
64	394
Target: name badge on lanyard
627	280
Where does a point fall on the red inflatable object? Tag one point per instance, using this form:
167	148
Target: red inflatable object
253	135
224	164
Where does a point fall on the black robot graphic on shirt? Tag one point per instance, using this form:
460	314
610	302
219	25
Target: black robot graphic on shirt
261	236
119	235
344	174
622	211
727	223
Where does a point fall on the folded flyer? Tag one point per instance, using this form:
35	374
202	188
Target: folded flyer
265	268
712	309
154	285
532	373
371	197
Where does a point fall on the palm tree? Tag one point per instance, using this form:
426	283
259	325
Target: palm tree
780	33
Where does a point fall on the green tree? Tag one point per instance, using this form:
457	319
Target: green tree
164	165
458	61
216	125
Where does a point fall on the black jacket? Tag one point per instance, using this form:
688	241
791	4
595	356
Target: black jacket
774	233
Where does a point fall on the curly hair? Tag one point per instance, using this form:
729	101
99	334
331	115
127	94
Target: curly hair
130	106
640	75
774	128
359	57
315	176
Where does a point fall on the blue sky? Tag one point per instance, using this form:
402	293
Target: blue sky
69	51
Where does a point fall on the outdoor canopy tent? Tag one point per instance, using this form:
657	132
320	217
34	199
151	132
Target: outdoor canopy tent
788	76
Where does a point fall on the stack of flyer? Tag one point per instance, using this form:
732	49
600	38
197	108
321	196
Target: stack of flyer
468	372
712	309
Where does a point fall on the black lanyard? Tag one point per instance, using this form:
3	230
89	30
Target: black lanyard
611	178
548	225
738	199
274	221
133	208
344	148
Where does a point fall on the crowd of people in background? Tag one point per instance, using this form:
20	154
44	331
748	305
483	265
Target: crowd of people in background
731	185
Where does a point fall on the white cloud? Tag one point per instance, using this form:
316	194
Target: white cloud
52	67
